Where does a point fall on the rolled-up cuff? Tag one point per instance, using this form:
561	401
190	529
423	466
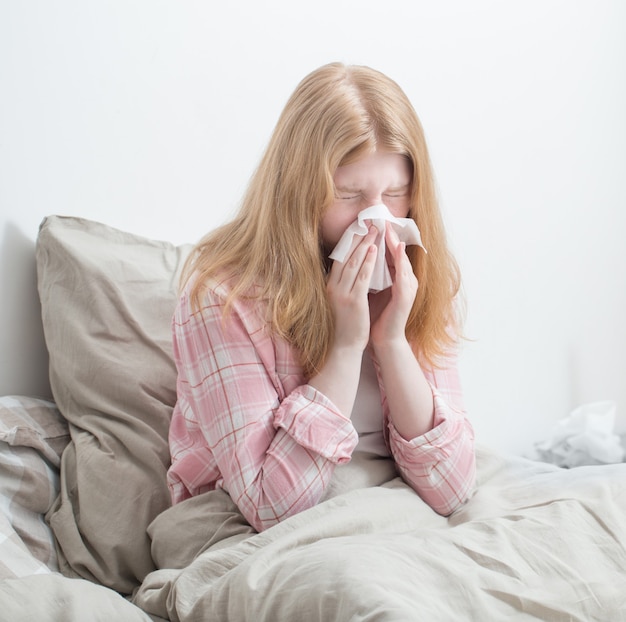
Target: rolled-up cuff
315	423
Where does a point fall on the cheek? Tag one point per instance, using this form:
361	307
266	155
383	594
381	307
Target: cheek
334	224
399	208
333	230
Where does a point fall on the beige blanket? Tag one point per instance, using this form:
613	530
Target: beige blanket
534	543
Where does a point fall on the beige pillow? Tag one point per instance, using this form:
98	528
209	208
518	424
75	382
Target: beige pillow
107	300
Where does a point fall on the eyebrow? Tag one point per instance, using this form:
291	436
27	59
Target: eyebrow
357	189
400	187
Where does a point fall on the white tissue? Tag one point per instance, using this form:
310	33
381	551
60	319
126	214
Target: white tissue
378	215
585	436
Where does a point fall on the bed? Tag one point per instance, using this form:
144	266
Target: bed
87	531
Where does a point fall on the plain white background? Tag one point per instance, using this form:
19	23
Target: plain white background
150	116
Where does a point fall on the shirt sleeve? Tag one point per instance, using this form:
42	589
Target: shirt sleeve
439	465
275	453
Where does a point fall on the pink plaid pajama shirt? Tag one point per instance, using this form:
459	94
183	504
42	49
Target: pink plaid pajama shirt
247	422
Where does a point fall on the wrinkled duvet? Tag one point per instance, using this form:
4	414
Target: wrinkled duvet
535	542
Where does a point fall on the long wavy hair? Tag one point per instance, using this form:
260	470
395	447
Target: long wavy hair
273	250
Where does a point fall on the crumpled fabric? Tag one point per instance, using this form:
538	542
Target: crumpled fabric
584	437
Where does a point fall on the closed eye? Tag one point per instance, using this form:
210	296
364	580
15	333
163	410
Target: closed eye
395	195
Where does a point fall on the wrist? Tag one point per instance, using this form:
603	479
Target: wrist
390	347
346	349
338	379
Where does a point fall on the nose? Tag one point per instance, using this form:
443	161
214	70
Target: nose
376	200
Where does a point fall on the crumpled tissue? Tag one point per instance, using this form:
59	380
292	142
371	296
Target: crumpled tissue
378	215
584	437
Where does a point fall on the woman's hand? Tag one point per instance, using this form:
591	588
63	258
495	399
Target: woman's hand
347	287
409	396
390	308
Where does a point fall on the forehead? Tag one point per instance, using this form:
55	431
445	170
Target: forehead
380	168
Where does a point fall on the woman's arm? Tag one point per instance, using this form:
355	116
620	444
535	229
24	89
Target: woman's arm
347	287
408	393
275	452
431	439
440	465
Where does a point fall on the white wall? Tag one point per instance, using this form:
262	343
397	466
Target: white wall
150	116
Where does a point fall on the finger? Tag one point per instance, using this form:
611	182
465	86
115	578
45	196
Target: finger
401	261
405	278
363	278
350	289
362	243
391	237
348	270
357	273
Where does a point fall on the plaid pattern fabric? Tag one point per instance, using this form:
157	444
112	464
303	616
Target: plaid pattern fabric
245	421
32	436
15	558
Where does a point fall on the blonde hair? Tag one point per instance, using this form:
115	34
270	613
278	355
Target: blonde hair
273	250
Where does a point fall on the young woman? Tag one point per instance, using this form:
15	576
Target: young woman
287	363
